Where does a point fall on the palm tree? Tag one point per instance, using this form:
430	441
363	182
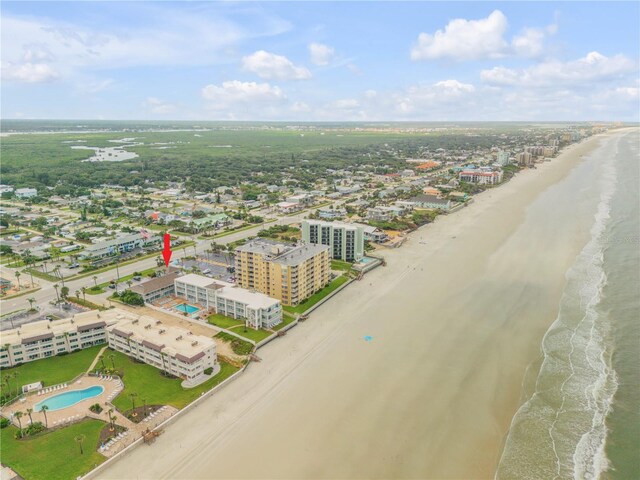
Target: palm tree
77	292
95	281
30	275
15	375
18	416
112	358
44	409
133	396
101	358
144	408
79	439
129	283
111	419
5	380
56	286
31	301
84	293
29	412
18	279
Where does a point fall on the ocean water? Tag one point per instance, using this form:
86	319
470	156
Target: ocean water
581	419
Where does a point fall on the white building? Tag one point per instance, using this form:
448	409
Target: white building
121	244
345	240
174	350
25	192
503	158
256	309
43	339
481	177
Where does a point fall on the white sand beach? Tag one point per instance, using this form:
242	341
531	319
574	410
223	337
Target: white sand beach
456	318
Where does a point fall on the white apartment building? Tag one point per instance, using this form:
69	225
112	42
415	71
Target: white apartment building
345	240
481	177
43	339
121	244
25	192
256	309
174	350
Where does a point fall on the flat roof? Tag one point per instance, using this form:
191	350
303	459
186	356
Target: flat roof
282	253
196	280
175	341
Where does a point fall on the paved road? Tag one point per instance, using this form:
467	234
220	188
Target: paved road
47	293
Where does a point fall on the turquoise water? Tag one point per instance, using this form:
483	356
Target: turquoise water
66	399
185	307
582	421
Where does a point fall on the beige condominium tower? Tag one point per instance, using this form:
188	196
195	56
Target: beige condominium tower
290	273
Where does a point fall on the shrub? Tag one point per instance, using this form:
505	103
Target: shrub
4	422
208	371
95	408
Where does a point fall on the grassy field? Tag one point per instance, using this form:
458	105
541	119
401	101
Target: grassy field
316	297
240	347
54	455
51	371
341	265
149	384
251	334
223	321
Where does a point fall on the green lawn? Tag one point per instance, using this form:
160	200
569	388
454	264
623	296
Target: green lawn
316	297
240	347
54	370
152	386
251	334
54	455
341	265
223	321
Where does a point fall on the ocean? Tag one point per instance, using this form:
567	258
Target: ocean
580	418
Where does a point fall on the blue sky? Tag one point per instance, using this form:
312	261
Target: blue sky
321	61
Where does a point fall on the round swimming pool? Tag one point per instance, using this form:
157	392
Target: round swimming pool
66	399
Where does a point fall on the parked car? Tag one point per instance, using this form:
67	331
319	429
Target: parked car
112	286
74	265
137	278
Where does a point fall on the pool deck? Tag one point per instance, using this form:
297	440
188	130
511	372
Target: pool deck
66	415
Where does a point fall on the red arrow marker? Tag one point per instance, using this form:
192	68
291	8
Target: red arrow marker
166	252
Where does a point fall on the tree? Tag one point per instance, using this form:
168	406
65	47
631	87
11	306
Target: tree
6	381
56	286
18	415
31	301
111	419
112	358
84	293
31	276
133	396
101	358
44	409
79	440
95	281
18	279
64	292
29	412
77	292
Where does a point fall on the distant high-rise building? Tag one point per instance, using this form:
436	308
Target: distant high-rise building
524	158
503	158
345	240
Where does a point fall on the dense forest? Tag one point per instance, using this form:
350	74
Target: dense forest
211	158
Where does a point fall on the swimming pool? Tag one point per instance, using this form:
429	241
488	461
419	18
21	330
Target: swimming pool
185	307
66	399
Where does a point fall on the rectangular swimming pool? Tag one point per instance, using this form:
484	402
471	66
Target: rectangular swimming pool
185	307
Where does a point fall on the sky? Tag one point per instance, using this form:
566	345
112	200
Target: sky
324	61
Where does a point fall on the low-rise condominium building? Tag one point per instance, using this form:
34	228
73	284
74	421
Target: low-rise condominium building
256	309
174	350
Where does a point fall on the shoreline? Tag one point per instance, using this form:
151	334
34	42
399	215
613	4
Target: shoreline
287	359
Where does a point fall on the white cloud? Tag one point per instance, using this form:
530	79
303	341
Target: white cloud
321	54
269	66
592	68
300	107
157	106
28	72
464	39
234	92
188	35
